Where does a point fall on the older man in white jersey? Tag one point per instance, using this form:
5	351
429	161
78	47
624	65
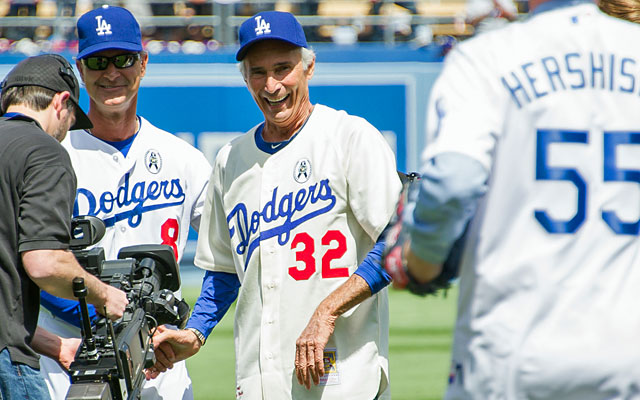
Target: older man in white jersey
289	228
534	137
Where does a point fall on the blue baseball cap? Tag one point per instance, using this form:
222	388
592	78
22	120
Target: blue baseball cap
107	28
275	25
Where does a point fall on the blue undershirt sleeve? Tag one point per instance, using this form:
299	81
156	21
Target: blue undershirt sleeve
67	310
371	269
219	291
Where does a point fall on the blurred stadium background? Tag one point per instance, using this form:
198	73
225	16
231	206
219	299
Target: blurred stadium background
376	59
213	22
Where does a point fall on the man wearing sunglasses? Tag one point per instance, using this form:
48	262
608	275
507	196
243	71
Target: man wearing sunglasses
147	185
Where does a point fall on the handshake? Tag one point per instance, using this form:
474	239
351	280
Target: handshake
397	258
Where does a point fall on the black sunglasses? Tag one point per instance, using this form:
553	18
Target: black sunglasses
100	63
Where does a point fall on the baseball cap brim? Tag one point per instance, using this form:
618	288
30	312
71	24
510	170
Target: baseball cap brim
245	48
96	48
82	120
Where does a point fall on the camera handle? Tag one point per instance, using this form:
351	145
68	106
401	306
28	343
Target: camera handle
80	291
115	353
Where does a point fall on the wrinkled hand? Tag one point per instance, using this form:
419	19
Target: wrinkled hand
171	346
310	349
68	350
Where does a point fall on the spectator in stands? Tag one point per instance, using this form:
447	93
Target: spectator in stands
310	7
167	33
403	31
196	31
254	7
485	15
21	8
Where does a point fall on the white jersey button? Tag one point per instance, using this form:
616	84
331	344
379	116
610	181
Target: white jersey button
115	158
122	228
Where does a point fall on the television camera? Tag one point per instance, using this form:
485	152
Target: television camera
110	362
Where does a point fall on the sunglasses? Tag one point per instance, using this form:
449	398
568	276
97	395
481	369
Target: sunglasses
100	63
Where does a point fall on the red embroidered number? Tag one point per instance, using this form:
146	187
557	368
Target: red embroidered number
334	254
305	255
305	252
169	233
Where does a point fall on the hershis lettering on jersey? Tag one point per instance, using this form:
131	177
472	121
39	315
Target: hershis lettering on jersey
275	209
537	78
170	193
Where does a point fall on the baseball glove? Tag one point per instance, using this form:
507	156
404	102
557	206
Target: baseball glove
397	238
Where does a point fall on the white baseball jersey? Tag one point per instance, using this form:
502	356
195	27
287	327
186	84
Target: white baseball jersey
549	284
294	226
151	196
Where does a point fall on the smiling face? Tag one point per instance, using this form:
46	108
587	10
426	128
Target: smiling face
279	84
113	89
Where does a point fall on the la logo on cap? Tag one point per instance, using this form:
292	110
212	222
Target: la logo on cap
103	27
262	26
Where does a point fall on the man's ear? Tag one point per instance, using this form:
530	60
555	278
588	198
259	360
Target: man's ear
144	58
311	68
59	101
80	69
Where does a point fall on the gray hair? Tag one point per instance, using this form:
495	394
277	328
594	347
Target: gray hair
308	55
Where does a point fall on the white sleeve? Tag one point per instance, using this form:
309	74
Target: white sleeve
202	173
372	178
464	110
213	250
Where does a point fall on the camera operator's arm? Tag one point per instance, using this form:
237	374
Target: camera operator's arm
63	350
53	271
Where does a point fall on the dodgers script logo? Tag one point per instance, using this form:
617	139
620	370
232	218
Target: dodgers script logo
262	26
161	194
103	28
292	209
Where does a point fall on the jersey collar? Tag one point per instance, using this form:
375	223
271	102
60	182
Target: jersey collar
21	116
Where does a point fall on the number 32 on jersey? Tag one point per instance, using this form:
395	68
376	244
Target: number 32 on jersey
334	244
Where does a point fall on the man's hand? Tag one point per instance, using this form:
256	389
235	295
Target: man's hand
172	346
68	349
310	348
62	350
116	302
310	345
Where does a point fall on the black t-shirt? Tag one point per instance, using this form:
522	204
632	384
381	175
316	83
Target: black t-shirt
37	191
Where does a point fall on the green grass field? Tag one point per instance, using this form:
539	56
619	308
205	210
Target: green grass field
420	342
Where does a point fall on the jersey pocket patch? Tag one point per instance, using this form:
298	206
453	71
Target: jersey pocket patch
331	375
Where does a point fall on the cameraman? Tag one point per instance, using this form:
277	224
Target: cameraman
39	100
